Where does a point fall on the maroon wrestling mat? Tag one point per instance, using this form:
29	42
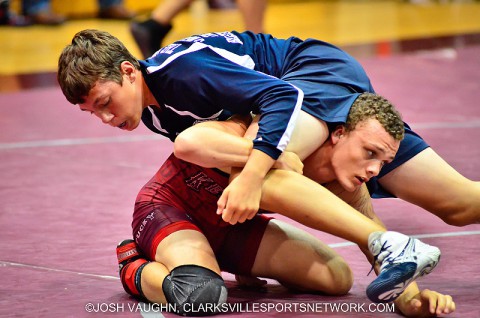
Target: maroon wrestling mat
68	184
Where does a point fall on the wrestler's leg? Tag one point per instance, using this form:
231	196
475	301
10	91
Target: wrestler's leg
306	202
428	181
322	211
301	261
171	261
185	247
361	201
253	13
309	203
308	135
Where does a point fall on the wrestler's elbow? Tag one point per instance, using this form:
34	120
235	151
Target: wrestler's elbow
185	146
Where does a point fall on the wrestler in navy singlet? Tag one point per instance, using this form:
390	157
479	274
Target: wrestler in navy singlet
212	76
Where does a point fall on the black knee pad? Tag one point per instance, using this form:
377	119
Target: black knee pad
194	290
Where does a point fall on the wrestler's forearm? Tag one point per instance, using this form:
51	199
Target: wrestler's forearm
258	164
213	146
224	145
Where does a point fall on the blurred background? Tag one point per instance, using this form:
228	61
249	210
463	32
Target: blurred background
68	182
28	55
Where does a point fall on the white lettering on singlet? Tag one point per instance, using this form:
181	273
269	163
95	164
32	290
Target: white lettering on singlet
228	36
243	60
168	49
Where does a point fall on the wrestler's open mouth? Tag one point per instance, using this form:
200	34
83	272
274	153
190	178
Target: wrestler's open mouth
122	125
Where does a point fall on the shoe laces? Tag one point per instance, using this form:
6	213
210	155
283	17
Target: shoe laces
383	259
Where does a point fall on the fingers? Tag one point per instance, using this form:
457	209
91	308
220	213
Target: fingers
445	305
223	208
427	303
234	216
438	303
250	281
221	203
416	304
236	208
449	305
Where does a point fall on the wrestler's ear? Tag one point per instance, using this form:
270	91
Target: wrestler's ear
128	69
337	134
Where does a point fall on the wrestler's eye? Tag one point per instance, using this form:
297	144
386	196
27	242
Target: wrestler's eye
105	104
89	111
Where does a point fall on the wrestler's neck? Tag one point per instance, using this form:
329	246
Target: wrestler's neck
148	98
318	165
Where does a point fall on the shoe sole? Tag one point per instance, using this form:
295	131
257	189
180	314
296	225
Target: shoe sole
391	283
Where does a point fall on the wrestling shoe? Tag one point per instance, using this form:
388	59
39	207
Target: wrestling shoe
130	266
127	252
402	259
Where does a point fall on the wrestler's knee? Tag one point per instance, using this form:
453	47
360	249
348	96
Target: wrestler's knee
341	277
462	216
334	279
194	290
460	208
463	208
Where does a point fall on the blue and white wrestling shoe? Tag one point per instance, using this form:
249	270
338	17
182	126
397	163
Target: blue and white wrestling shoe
402	259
